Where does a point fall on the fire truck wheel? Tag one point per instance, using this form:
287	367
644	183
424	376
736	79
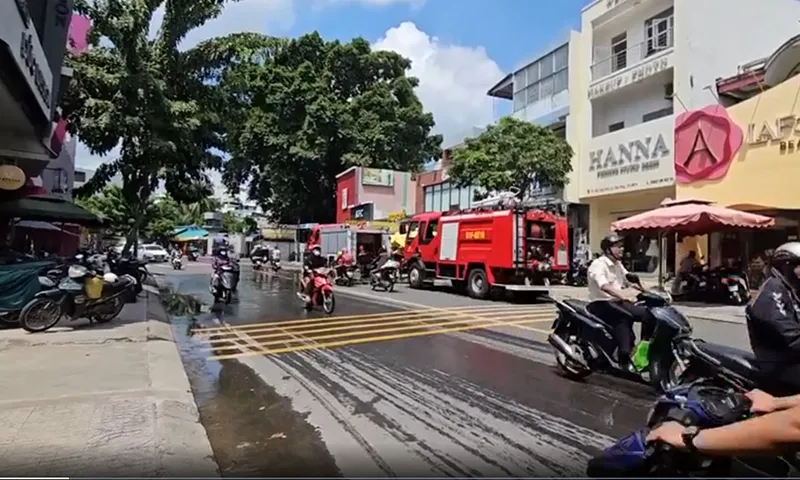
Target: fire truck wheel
415	276
477	283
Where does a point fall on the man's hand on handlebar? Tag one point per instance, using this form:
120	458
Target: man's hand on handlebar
670	433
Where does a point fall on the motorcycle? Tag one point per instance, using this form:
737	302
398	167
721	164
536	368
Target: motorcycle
345	275
322	294
177	263
584	340
21	287
385	277
722	284
84	293
578	275
276	265
192	255
223	283
127	266
698	404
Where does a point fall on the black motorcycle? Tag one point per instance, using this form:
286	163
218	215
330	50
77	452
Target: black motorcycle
578	275
84	293
701	405
129	266
584	340
224	282
345	275
717	284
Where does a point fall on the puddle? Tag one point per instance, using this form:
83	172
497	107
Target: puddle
252	429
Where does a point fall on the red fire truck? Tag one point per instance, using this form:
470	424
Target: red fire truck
498	244
333	237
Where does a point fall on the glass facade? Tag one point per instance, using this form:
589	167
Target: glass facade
445	196
543	78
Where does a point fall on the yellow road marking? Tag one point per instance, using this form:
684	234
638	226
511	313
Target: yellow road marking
422	316
386	315
283	332
357	341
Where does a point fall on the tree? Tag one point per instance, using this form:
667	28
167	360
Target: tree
110	203
148	97
232	223
305	109
513	153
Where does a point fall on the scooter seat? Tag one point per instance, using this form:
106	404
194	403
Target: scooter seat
583	308
739	361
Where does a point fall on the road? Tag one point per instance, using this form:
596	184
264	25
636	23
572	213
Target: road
405	389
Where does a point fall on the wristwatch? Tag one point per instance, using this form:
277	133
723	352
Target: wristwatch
688	437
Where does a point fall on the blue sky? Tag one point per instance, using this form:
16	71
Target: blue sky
458	48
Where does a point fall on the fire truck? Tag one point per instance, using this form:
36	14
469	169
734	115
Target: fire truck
499	244
338	236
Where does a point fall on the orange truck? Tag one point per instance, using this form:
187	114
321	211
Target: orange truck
495	246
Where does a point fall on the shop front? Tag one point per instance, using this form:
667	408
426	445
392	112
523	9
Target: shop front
746	157
625	173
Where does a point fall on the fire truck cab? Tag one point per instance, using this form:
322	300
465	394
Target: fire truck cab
498	245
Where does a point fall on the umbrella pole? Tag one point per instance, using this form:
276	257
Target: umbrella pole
661	260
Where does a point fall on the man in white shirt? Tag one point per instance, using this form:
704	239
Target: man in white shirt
607	281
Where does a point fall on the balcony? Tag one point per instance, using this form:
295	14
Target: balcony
623	58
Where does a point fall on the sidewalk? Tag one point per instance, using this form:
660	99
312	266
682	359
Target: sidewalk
100	400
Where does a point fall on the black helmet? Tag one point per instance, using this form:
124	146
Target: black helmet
609	241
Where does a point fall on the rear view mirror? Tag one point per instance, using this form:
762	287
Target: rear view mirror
633	278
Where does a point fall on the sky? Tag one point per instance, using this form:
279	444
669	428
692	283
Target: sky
458	48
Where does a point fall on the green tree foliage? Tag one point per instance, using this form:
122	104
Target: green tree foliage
303	110
148	97
512	153
110	203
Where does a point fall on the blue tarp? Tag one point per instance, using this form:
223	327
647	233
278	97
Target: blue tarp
19	282
190	233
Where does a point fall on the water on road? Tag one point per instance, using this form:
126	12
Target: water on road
373	390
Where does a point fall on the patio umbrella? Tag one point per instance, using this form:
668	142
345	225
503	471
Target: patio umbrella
692	217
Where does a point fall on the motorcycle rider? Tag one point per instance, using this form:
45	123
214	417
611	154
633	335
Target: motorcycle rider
773	433
607	281
310	263
380	261
688	264
773	321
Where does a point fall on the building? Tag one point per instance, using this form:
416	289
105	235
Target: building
58	179
540	90
373	194
746	157
643	63
33	34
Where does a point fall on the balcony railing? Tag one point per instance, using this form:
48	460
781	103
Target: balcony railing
629	57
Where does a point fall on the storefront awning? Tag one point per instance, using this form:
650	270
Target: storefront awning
48	210
191	234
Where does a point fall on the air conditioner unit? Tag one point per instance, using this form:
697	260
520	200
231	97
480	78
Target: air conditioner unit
668	91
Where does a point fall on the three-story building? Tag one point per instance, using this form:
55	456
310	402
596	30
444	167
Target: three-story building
643	63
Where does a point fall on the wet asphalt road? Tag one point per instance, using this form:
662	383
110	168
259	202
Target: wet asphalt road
374	390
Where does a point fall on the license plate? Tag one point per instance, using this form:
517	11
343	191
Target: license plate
733	288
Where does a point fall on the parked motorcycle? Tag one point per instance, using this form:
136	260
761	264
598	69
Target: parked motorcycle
584	340
717	284
385	277
177	263
701	405
578	275
224	282
84	293
21	282
322	294
127	266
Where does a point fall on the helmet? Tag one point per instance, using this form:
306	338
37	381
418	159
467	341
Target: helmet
609	241
339	253
316	249
784	262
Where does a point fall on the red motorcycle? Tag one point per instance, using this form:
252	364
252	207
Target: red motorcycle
322	295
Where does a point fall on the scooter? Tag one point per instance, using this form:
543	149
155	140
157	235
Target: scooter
584	340
322	294
275	265
223	283
717	284
385	277
578	273
700	405
177	263
345	275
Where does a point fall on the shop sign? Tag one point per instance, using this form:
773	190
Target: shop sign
11	177
706	142
361	212
780	131
376	177
32	67
641	155
633	75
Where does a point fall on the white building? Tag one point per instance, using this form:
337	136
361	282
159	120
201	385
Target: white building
643	62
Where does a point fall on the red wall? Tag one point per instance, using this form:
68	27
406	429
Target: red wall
348	181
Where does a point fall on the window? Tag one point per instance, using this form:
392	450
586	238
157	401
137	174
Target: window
344	199
413	229
648	117
560	81
658	31
619	52
616	126
533	73
547	87
464	198
437	198
519	81
80	176
430	232
520	100
445	197
560	58
547	65
428	199
533	93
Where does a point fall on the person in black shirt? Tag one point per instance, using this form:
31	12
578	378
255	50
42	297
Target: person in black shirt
310	263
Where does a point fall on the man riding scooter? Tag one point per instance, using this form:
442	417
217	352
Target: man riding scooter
310	263
607	281
344	262
380	260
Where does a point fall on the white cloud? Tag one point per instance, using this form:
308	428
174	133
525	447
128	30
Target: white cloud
453	79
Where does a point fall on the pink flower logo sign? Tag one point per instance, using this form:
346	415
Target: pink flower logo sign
706	141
